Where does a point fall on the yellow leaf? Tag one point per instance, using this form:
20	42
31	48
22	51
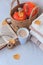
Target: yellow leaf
37	22
16	56
4	23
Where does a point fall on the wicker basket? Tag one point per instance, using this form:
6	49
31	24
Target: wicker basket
25	23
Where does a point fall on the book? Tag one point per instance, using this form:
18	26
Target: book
6	33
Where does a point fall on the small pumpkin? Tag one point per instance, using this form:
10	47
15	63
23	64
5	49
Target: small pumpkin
20	15
28	8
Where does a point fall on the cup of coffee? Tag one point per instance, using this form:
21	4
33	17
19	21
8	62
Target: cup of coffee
23	34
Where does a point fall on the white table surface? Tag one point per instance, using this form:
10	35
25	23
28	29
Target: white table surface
30	53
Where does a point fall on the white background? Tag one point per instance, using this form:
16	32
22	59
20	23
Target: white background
30	53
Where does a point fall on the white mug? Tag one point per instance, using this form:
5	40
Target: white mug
23	39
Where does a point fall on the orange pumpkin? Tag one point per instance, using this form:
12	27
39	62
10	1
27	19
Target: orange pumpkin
28	8
20	16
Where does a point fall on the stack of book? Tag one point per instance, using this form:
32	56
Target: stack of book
37	31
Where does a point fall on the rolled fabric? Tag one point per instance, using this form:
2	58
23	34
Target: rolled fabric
35	40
